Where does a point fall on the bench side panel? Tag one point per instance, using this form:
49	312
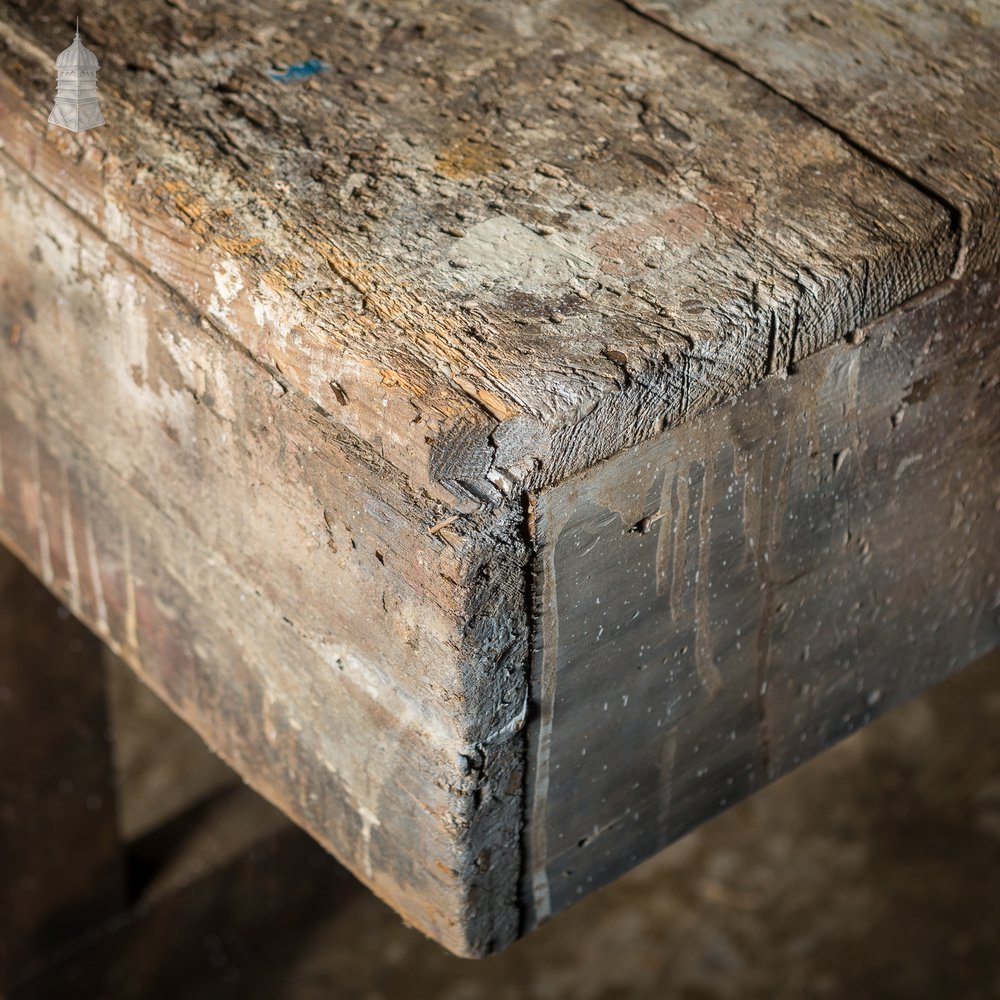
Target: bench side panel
722	603
271	578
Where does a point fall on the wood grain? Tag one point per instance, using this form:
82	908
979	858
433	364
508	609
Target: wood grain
720	604
273	580
914	84
497	243
284	366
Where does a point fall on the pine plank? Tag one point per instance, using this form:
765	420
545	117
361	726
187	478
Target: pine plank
915	84
499	242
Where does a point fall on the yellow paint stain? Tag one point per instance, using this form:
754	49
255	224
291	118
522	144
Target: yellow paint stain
498	407
387	306
402	380
281	276
442	346
466	157
203	218
238	247
190	204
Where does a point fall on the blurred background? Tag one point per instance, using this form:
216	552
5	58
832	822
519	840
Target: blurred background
873	871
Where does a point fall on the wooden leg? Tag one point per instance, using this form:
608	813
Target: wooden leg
62	867
221	891
231	891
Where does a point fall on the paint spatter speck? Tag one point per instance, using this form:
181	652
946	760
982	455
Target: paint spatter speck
300	71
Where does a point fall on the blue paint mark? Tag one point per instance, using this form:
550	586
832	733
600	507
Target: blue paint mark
301	71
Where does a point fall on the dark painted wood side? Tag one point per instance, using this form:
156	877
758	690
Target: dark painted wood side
61	864
723	602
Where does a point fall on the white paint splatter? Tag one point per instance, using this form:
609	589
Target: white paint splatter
368	822
503	249
228	284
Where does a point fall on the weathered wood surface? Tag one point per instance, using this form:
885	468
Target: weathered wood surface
646	230
720	604
916	84
274	581
61	863
281	364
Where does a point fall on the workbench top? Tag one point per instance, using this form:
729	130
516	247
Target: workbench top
501	242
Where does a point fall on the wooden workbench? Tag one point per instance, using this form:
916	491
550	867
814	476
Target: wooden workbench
526	436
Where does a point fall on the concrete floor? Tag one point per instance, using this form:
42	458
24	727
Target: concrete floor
872	872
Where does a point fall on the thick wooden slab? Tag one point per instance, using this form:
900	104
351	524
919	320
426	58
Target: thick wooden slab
916	84
276	584
498	242
720	604
282	363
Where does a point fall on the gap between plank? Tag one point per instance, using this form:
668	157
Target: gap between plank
957	215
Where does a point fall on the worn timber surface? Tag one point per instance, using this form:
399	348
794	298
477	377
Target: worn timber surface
274	582
720	604
915	84
283	363
497	241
